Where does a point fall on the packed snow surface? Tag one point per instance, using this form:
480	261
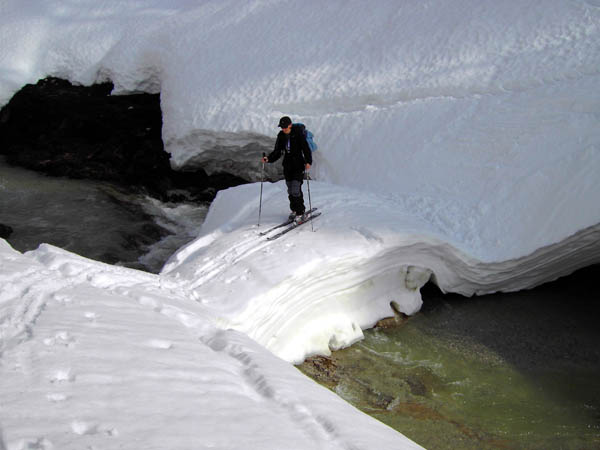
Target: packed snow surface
98	356
457	140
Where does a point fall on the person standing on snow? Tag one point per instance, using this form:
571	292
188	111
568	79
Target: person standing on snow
297	158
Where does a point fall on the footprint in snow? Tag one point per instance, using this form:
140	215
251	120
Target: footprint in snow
62	376
57	398
60	338
91	316
30	444
159	344
82	427
62	299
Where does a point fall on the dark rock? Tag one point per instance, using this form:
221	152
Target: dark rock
84	132
417	386
5	231
224	180
399	319
322	369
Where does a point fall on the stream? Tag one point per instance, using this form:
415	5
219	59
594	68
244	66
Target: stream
511	370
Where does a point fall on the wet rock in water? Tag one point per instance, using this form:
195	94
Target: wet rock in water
388	322
378	400
321	369
397	320
417	385
5	231
84	132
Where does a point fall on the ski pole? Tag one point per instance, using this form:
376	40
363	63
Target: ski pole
309	200
262	176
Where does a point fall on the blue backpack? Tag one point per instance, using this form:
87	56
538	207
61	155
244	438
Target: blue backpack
309	137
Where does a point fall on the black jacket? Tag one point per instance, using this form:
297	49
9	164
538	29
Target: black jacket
296	157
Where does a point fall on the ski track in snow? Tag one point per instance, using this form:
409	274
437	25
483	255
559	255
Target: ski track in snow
316	427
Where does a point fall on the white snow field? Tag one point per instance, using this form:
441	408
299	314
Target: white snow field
458	140
99	356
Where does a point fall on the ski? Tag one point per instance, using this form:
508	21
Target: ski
283	224
292	226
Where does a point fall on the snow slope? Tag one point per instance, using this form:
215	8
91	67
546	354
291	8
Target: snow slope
311	292
97	356
488	110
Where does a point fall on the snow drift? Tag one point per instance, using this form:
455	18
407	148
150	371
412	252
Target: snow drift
98	356
488	110
312	292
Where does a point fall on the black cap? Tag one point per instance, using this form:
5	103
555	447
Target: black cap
285	122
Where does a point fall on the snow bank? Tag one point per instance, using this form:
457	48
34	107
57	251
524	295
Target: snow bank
97	356
313	292
488	110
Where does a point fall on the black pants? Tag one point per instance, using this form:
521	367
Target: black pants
294	187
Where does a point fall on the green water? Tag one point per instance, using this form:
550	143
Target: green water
510	371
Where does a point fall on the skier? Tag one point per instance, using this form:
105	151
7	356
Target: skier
297	158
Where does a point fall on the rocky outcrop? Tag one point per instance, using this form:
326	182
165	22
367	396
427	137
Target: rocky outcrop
84	132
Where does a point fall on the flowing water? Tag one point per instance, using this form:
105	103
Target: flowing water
94	219
519	370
